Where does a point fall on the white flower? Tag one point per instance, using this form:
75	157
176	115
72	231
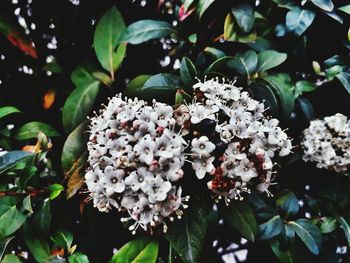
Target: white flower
202	146
202	166
156	188
145	149
113	180
245	170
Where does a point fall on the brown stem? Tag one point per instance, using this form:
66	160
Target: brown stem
29	192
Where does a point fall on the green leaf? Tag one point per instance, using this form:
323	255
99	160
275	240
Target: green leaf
144	30
137	251
284	256
269	59
107	34
37	245
181	96
328	225
103	77
134	87
188	72
240	217
84	96
244	64
344	78
344	224
289	235
10	220
304	86
288	203
228	27
55	190
63	239
163	81
11	258
119	55
187	236
30	130
27	204
203	5
308	233
306	107
271	228
217	64
7	110
298	20
42	218
345	8
333	71
326	5
78	258
280	83
3	245
245	17
10	159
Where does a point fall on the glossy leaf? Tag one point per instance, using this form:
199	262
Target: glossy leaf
345	225
328	225
138	250
37	245
203	5
344	78
298	20
7	110
63	239
188	236
308	233
10	220
304	86
27	204
84	95
269	59
10	159
3	245
134	87
244	64
144	30
240	217
228	26
32	129
245	17
326	5
217	64
78	258
271	228
264	93
284	256
55	190
306	107
188	72
42	217
163	81
11	258
288	203
345	8
107	34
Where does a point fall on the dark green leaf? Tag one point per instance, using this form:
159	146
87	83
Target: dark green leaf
37	245
245	17
163	81
7	110
308	233
84	95
304	86
107	34
63	239
326	5
306	107
244	64
271	228
78	258
144	30
187	237
30	130
345	8
284	256
203	5
3	245
10	220
240	217
269	59
280	83
42	217
133	88
55	190
10	159
298	20
288	203
289	235
188	72
344	78
138	250
217	64
344	224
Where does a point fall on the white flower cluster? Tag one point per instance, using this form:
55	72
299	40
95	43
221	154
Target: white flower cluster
231	139
327	143
135	156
